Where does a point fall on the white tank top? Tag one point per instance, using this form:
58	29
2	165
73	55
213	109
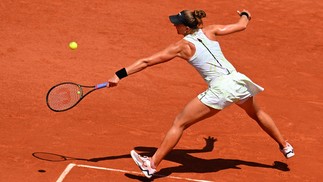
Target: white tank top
209	66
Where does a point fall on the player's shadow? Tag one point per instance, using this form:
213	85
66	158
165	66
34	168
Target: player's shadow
187	162
190	164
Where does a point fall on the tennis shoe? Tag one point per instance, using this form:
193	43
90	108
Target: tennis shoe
144	163
288	151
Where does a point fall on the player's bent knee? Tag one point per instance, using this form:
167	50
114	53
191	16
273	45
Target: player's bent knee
180	123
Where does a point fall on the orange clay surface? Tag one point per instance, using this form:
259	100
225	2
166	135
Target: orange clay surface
281	50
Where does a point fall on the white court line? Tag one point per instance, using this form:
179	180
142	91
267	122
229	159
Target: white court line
71	165
65	172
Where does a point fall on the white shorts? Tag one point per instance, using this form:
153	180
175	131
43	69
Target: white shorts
228	89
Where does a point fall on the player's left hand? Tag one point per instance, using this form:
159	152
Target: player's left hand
244	11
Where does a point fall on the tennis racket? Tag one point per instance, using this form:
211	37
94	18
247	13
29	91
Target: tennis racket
66	95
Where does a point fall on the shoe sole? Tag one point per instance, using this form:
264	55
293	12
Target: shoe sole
290	155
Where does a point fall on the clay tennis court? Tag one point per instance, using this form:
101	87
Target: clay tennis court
281	50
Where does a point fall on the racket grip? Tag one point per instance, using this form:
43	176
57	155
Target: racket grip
101	85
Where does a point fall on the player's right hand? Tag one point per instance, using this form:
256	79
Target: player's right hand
113	81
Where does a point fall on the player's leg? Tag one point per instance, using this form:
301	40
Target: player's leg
268	125
193	112
263	120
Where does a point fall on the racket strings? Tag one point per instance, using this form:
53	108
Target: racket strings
64	96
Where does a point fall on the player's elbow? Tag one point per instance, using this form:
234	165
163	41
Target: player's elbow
243	27
151	61
143	63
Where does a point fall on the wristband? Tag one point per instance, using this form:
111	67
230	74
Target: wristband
122	73
245	13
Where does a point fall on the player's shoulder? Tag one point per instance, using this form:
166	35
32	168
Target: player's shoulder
183	47
210	31
177	46
180	43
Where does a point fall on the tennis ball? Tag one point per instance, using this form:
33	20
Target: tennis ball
78	92
73	45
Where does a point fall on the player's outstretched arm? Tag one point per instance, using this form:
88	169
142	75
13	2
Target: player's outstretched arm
180	49
242	23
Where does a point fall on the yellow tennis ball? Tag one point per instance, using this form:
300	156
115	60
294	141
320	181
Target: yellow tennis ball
73	45
78	92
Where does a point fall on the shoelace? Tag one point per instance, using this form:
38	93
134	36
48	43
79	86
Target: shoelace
144	161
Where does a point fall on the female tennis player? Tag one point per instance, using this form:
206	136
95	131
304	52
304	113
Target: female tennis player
226	86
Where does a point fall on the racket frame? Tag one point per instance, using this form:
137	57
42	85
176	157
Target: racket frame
96	87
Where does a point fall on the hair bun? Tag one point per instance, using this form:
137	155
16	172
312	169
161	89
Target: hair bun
199	13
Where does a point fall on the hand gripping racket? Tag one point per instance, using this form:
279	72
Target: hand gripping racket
66	95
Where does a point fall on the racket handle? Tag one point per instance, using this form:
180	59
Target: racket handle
101	85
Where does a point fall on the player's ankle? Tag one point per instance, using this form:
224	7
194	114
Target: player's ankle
152	163
283	145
